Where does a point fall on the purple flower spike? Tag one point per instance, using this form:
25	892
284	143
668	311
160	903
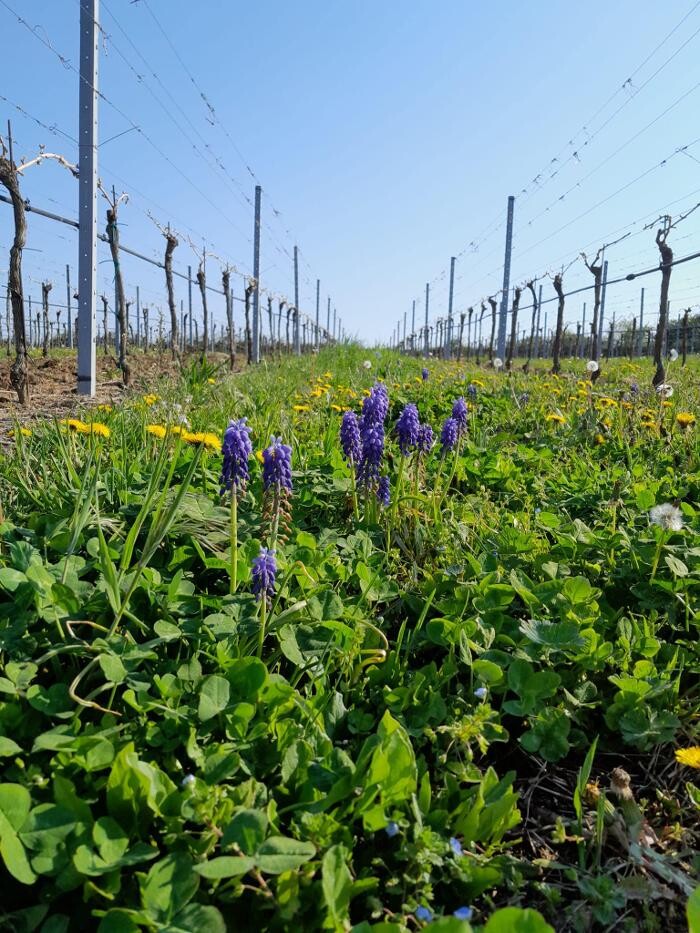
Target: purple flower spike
426	439
384	491
459	413
408	428
372	452
236	448
350	437
277	465
449	435
376	406
264	572
424	374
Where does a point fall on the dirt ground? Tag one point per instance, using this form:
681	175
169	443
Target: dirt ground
53	380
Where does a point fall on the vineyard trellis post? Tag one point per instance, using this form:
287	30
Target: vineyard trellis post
582	347
138	316
503	315
297	348
87	201
603	290
448	328
256	278
427	306
318	311
641	323
68	308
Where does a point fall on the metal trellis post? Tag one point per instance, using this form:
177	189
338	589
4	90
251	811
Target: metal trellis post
503	312
87	193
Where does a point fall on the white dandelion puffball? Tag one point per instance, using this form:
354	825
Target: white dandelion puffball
664	390
497	362
367	364
592	366
666	516
673	355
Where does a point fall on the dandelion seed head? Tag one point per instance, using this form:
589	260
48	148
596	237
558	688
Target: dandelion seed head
666	516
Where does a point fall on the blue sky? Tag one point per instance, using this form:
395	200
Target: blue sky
386	135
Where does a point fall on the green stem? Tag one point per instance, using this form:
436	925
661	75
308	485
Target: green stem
234	539
657	556
263	621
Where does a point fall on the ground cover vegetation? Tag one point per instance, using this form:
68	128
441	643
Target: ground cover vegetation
355	642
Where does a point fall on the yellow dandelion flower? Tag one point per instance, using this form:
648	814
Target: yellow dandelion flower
176	429
317	393
689	756
627	405
150	399
685	419
212	382
556	417
259	456
667	404
366	391
599	439
651	425
328	375
205	438
478	383
301	408
106	408
25	432
75	424
157	430
100	429
607	402
337	407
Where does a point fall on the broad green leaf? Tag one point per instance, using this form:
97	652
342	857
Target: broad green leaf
8	747
225	866
693	912
15	804
336	882
247	830
213	697
517	920
169	885
278	854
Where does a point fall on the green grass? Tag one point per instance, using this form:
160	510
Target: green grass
433	710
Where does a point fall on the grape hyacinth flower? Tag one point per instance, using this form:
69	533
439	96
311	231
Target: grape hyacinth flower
383	491
424	374
376	406
277	488
372	436
264	571
426	439
471	391
449	435
277	465
350	438
236	448
408	429
460	414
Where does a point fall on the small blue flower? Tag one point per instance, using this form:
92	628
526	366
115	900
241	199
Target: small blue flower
188	780
460	414
449	434
384	491
480	693
408	429
456	845
263	573
350	437
391	829
424	913
537	511
463	913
